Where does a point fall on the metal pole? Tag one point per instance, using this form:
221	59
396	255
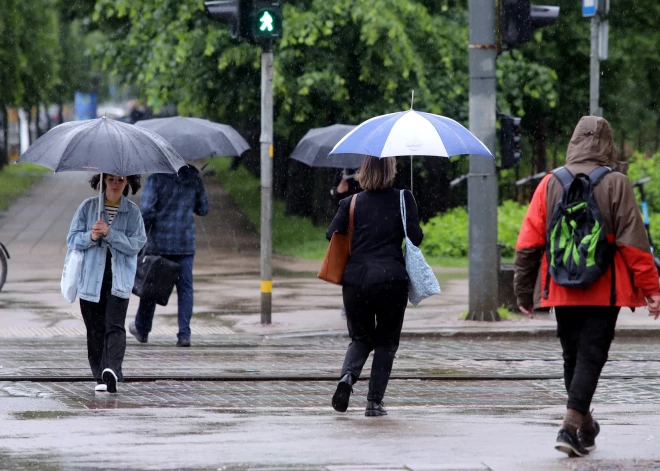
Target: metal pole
594	86
266	183
482	182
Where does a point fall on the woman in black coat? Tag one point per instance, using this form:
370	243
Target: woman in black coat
375	283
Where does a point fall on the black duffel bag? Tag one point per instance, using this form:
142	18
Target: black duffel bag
155	278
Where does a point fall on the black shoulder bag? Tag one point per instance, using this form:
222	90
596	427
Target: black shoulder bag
155	277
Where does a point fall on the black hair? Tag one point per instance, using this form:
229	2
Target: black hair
134	183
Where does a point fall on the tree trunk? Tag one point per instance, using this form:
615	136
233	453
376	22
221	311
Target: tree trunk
60	113
29	125
623	144
4	150
36	123
49	122
540	143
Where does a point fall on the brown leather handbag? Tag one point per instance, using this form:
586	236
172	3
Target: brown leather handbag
336	257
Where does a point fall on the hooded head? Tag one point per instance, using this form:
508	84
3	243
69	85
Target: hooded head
592	144
188	174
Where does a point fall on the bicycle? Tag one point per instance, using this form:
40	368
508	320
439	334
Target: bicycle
639	184
4	256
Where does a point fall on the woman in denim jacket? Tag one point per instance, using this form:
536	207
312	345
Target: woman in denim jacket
111	245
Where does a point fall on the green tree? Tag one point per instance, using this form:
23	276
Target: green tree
39	51
10	83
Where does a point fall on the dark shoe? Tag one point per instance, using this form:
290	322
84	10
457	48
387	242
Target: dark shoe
343	393
587	438
110	379
568	443
183	343
134	332
375	409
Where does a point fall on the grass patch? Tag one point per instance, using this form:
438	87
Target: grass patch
16	179
292	235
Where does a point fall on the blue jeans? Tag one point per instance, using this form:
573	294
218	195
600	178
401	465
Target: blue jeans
184	290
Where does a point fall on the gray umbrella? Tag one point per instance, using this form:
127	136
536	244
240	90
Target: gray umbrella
314	147
196	138
104	146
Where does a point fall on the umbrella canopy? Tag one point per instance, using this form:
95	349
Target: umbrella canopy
410	133
314	147
196	138
103	146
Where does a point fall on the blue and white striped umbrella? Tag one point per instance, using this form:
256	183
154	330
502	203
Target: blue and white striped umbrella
410	133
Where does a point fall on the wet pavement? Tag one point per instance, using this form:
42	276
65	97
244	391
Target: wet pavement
463	396
266	413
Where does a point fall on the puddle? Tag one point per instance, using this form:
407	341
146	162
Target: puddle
53	414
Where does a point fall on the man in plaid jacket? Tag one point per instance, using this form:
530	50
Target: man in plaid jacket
168	203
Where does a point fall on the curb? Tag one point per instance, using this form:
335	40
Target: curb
478	333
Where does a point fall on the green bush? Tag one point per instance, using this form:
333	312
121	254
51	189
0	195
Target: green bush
642	166
446	235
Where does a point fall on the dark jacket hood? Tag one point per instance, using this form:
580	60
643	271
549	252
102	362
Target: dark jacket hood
592	143
188	174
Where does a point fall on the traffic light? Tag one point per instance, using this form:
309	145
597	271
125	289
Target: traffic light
231	12
519	19
266	19
253	20
510	141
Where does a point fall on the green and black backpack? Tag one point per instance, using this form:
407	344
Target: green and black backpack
576	244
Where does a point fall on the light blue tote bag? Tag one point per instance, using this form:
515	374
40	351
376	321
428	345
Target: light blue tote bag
423	282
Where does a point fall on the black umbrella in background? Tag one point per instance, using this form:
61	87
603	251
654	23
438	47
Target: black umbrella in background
314	147
104	146
195	138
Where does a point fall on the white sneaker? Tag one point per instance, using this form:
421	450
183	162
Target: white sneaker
110	379
100	388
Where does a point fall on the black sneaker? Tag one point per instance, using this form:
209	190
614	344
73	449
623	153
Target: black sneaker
134	332
110	379
343	393
587	438
375	409
568	443
183	343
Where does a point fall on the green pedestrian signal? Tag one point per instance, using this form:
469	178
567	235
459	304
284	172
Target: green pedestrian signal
266	22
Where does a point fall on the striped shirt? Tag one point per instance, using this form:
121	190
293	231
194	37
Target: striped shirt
111	210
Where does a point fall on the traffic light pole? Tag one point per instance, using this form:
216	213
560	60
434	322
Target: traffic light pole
266	141
482	182
594	69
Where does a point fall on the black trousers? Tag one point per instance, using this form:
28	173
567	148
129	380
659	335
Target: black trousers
106	335
374	315
586	334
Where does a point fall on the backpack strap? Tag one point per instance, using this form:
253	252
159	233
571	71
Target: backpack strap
564	176
597	175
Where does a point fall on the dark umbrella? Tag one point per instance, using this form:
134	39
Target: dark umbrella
104	146
196	138
314	147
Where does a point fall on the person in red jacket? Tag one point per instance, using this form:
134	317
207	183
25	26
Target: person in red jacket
586	317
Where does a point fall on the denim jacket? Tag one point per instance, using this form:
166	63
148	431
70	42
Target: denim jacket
125	238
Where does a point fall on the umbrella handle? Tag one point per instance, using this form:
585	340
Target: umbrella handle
411	174
100	195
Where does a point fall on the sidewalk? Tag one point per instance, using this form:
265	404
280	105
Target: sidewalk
253	397
227	296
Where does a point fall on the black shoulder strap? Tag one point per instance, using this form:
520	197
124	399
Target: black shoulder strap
564	176
597	175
